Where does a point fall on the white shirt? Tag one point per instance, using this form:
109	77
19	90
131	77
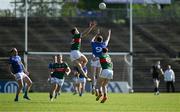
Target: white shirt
169	75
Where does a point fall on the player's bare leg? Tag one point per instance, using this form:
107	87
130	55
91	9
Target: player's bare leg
82	88
104	89
57	92
52	92
99	92
29	83
98	72
84	60
78	64
20	85
98	85
156	89
80	68
93	71
75	88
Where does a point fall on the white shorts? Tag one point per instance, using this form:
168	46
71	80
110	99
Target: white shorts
107	73
95	62
75	80
156	80
55	80
81	80
75	54
20	76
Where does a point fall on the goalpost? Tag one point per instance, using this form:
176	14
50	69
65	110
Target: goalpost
38	63
122	61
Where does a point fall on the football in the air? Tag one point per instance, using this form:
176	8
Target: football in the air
102	6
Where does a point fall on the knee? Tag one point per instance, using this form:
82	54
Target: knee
84	63
29	83
86	60
76	62
20	86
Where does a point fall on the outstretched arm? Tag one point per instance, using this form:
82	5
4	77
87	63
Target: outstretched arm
161	71
98	32
108	37
68	70
24	69
89	29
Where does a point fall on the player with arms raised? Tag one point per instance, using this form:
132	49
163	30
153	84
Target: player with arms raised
76	56
97	46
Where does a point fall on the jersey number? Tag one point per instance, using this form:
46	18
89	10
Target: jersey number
98	49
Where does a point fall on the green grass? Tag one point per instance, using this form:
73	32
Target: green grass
137	102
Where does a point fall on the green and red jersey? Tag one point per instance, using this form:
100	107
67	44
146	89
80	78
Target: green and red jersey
105	61
76	42
59	70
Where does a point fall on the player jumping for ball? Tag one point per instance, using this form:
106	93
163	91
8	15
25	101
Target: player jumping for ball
97	44
105	76
76	56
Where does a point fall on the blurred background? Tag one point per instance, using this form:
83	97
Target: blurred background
155	32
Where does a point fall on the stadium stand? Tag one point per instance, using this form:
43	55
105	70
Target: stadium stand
151	42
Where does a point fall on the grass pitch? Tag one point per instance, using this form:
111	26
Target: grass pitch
66	102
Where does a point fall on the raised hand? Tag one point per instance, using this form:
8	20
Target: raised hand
92	23
109	31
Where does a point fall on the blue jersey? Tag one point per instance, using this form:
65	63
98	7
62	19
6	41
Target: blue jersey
50	66
80	75
16	63
97	48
